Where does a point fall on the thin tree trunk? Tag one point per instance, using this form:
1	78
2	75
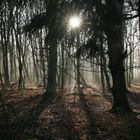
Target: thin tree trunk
62	71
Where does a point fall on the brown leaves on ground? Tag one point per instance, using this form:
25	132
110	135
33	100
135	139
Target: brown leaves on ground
68	118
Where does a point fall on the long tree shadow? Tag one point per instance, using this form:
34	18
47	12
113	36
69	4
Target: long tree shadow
16	129
92	130
131	123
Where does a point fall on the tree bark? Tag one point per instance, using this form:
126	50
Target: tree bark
116	56
52	68
51	39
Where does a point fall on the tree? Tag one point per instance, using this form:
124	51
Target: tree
112	19
117	55
52	21
109	19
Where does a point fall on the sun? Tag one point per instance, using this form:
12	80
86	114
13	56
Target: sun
74	21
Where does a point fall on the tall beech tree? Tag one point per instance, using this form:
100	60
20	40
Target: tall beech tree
52	20
111	22
108	16
114	32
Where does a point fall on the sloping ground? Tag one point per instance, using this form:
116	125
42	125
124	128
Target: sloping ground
30	117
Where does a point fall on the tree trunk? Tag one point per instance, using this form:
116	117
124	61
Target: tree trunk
52	68
62	65
119	89
118	77
5	65
102	63
78	65
51	39
116	56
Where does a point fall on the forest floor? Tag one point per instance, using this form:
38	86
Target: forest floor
30	117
